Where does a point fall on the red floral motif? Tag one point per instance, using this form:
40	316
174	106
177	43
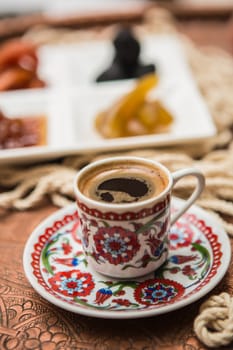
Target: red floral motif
102	295
122	302
74	231
146	258
174	270
156	246
157	291
189	271
181	235
72	283
116	245
121	292
181	259
66	247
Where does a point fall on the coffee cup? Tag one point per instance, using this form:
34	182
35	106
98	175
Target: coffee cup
124	206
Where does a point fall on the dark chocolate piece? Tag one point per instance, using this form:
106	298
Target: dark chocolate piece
126	63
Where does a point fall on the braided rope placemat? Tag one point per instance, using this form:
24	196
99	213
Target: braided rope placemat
25	187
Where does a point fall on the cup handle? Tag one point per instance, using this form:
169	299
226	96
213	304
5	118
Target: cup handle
177	175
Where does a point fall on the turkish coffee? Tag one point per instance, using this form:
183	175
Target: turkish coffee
123	182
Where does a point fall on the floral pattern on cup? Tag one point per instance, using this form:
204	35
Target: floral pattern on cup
116	245
126	244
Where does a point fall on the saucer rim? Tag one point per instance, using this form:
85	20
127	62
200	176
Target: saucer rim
218	230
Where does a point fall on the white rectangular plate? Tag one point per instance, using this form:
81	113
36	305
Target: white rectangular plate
73	100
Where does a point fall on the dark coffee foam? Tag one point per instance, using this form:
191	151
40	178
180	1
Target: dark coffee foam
124	182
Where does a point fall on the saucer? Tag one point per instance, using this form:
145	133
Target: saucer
55	265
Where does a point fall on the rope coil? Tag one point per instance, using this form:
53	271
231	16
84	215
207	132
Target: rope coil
214	324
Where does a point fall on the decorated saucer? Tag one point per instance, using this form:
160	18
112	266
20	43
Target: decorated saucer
55	265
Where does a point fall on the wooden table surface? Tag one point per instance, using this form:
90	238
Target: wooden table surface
29	322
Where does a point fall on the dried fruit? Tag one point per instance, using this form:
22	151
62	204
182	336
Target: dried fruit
133	114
